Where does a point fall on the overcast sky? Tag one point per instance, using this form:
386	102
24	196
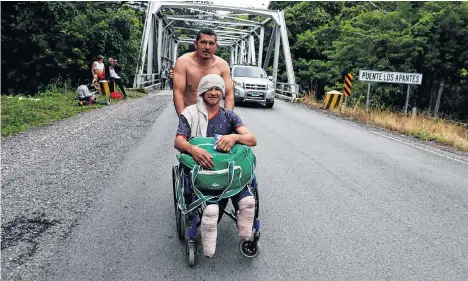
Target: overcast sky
260	4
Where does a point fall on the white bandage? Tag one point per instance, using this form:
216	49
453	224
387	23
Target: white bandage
245	217
209	229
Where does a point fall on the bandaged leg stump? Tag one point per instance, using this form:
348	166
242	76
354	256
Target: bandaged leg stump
245	217
209	229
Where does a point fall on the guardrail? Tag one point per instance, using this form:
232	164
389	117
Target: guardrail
286	91
147	80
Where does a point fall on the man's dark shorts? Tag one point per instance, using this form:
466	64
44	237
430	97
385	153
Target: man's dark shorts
235	199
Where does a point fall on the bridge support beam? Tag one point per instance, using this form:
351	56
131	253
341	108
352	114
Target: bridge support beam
232	57
260	46
252	55
276	55
287	55
236	53
176	45
149	64
242	61
270	48
160	41
163	32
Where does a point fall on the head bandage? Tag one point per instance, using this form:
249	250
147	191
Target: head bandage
211	81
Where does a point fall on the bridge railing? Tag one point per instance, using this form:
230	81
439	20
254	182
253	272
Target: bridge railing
286	91
147	80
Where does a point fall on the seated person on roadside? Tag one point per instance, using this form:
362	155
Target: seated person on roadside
85	97
204	119
113	70
97	69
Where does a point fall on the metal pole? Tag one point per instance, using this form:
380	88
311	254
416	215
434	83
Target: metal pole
160	37
167	48
236	54
232	57
252	47
143	46
171	51
367	100
270	48
149	65
276	55
287	54
260	46
164	48
246	53
242	50
407	99
249	51
176	46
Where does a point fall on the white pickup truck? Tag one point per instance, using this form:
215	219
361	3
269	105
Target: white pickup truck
251	84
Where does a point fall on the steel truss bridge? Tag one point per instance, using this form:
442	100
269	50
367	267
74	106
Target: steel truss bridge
170	24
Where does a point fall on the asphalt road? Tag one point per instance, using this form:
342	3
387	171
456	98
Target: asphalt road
339	201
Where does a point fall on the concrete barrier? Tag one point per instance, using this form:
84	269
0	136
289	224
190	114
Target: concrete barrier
333	99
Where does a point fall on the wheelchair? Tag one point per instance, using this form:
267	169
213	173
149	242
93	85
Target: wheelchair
187	225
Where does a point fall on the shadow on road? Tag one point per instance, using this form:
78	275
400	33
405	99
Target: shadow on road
253	105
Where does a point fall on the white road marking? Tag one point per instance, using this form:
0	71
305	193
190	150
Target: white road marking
408	143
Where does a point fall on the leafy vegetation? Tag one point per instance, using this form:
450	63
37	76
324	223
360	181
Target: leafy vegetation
419	126
329	39
44	42
20	112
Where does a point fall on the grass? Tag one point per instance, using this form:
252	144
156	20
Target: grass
425	128
19	113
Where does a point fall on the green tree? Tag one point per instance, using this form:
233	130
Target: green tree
329	39
43	42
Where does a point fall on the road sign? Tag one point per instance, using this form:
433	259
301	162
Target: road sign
390	77
348	83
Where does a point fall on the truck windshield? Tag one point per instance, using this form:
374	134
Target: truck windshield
249	72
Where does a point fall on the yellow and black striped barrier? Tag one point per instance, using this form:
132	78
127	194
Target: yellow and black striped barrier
348	84
104	87
297	99
333	99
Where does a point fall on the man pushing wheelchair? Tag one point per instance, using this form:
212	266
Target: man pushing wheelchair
207	119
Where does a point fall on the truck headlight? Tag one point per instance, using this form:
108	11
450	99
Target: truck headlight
270	86
238	84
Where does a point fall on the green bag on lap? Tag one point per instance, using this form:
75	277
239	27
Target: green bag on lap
232	171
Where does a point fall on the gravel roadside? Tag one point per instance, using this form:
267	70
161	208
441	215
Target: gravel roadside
441	149
51	175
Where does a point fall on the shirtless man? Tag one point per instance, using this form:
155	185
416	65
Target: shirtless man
191	67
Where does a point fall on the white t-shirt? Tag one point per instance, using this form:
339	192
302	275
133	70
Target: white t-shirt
83	92
98	66
113	74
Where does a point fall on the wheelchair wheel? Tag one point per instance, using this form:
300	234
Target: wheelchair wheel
190	251
180	220
179	217
174	175
249	249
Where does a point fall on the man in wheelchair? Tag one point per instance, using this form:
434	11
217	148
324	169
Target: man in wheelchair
206	119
